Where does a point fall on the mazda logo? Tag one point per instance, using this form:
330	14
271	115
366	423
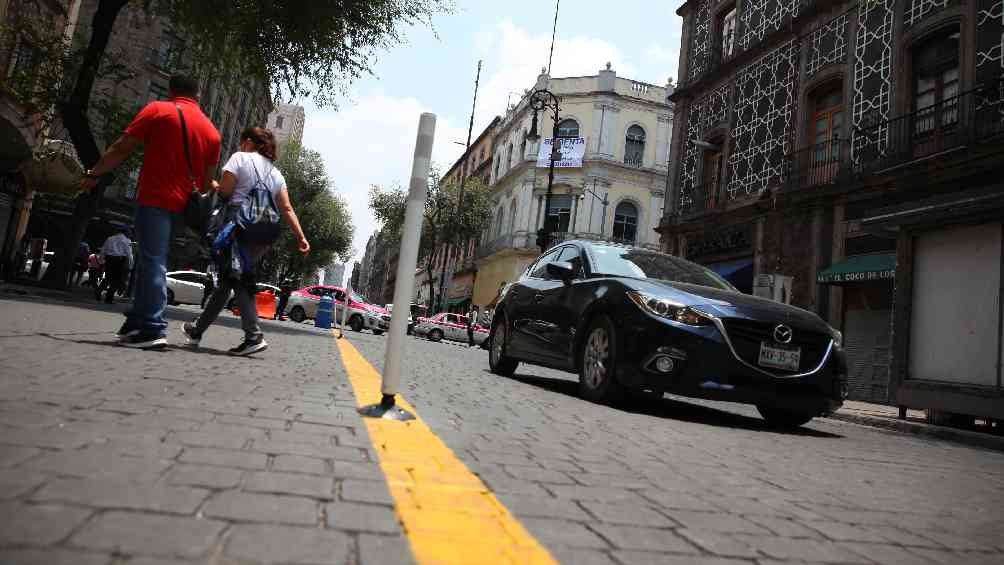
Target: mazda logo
783	334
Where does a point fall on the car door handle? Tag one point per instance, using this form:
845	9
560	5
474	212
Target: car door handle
538	298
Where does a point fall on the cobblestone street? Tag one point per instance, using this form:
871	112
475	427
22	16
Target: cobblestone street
116	456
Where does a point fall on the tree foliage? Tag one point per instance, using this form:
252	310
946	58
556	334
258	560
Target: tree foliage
453	216
323	215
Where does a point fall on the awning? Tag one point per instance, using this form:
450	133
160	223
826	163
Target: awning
860	268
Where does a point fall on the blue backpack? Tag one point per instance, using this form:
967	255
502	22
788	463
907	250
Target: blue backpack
258	217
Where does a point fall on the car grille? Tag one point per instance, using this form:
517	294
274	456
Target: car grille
746	336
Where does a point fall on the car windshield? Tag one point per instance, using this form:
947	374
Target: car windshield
641	264
359	298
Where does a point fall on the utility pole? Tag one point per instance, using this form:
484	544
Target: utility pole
460	197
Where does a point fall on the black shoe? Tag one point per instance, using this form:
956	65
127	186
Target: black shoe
145	340
192	338
249	346
125	331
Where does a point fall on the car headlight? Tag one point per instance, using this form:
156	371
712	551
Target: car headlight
838	338
670	310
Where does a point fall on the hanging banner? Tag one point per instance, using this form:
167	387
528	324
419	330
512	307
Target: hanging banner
572	151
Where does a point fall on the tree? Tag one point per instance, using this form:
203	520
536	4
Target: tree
323	215
302	48
443	224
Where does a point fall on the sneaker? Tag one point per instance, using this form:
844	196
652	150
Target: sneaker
249	346
145	340
192	339
125	332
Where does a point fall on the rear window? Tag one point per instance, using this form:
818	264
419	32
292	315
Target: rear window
643	264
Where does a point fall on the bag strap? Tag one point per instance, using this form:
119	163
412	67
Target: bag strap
184	142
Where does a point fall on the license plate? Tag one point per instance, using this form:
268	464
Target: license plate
779	357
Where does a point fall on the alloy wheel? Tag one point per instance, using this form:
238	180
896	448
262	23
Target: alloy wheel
597	357
498	342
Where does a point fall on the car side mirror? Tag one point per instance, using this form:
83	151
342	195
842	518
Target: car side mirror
561	270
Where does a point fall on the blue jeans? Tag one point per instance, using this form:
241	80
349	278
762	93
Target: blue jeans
153	236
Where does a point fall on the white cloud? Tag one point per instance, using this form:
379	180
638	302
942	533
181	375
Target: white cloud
372	141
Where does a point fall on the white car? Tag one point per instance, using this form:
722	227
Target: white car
449	326
185	287
303	305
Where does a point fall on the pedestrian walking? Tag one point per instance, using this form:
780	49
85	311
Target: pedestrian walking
251	170
80	264
181	151
207	289
116	255
285	290
472	320
93	270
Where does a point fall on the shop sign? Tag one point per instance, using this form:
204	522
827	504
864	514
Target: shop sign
857	277
725	240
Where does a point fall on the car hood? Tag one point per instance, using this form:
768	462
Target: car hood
730	304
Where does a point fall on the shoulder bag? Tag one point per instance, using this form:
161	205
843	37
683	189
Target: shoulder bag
199	206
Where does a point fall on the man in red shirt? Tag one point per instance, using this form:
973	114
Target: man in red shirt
164	187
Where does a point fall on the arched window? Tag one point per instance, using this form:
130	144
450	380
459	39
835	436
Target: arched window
508	156
499	221
625	222
568	128
634	146
522	148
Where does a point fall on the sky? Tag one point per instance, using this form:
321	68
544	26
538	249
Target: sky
370	138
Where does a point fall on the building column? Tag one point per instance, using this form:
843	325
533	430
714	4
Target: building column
836	313
663	137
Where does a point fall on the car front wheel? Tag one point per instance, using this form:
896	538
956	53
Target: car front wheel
436	335
497	360
297	314
781	418
356	323
170	297
598	358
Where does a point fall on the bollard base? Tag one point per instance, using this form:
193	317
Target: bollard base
386	410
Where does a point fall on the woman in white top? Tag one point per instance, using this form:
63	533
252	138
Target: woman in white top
255	160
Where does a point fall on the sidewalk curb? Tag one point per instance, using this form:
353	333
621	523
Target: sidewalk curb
965	437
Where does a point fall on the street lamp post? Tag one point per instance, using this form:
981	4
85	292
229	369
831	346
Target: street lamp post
540	101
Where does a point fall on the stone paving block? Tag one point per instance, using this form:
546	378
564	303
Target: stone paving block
384	550
947	557
158	422
837	531
500	482
785	527
55	438
365	491
718	543
282	436
16	482
105	493
678	500
582	556
11	455
149	534
804	549
369	471
887	554
157	561
300	464
563	533
362	517
722	523
206	439
504	458
606	480
53	557
38	524
224	458
309	450
563	465
537	474
248	507
650	558
542	507
264	423
628	514
290	483
287	544
958	542
643	539
601	494
98	463
904	537
204	476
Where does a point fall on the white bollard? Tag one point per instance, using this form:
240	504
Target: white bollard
418	191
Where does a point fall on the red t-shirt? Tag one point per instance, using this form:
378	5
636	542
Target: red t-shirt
163	180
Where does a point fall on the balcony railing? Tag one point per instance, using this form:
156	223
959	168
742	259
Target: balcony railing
953	123
820	164
698	199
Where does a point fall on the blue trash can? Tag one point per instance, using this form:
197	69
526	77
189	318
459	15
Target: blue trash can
324	313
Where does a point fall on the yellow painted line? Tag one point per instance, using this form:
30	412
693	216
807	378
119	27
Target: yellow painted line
448	514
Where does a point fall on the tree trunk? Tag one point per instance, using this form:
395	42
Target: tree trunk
74	115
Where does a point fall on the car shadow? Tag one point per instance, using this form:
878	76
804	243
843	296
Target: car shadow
673	409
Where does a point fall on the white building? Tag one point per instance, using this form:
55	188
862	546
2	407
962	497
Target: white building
286	123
